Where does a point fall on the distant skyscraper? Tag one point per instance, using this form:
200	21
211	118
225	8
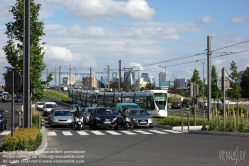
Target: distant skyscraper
130	77
152	80
162	78
145	76
114	76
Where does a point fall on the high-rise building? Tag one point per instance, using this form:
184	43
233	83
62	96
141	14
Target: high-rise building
130	77
152	80
145	76
162	77
114	76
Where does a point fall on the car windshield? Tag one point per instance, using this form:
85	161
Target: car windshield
138	112
51	106
104	111
62	113
40	103
90	110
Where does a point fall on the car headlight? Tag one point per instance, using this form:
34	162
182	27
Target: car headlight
55	120
0	120
69	120
97	118
134	118
114	119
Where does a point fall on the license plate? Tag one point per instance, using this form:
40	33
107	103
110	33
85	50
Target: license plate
107	122
79	122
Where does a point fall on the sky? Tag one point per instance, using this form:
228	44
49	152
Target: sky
146	35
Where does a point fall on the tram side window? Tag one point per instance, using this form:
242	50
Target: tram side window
151	104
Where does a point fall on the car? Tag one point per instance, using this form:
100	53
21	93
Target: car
86	114
49	116
3	121
186	103
73	107
140	117
6	97
1	92
39	106
176	104
61	117
48	106
102	117
18	98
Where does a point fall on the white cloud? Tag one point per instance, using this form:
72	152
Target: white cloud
136	66
206	19
105	9
90	31
237	20
58	53
219	62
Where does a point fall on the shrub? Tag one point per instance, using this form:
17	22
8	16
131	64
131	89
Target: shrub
23	139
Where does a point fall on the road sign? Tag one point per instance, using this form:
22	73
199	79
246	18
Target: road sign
9	81
227	83
164	85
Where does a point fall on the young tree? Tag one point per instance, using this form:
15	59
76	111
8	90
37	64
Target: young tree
196	78
216	93
235	76
245	83
14	53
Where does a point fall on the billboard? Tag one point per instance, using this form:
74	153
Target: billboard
164	85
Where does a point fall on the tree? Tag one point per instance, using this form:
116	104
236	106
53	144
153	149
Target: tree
215	91
14	53
196	78
235	76
245	83
150	86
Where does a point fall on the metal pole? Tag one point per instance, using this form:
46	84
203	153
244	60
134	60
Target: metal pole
26	64
12	104
182	120
59	82
203	88
209	74
55	78
165	74
108	70
224	96
119	75
39	121
188	120
90	78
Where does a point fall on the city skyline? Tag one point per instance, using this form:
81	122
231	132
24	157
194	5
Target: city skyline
160	35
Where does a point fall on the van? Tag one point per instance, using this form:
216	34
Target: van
48	106
121	106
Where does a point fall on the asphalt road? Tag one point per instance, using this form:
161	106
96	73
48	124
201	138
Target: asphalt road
140	147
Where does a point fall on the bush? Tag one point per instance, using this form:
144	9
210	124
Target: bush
23	139
173	120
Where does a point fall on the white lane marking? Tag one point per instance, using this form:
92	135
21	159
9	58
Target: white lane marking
52	133
128	132
97	133
5	132
67	133
159	132
142	132
113	132
172	131
82	133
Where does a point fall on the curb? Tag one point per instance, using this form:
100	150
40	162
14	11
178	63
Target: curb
219	133
178	128
38	151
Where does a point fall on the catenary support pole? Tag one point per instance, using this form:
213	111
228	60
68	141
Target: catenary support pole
26	65
209	74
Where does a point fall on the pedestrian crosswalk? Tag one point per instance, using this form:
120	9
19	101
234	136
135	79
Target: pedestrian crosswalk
110	132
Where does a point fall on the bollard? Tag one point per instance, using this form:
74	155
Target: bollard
19	119
188	120
39	121
195	115
182	120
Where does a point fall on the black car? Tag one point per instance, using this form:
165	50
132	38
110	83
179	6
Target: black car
176	104
102	117
18	98
3	120
186	103
6	98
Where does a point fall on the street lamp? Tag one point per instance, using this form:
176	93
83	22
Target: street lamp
203	83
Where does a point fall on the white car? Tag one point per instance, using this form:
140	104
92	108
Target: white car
48	106
39	106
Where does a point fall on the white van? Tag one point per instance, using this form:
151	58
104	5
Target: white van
48	106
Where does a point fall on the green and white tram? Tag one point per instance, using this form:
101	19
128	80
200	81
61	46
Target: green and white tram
154	101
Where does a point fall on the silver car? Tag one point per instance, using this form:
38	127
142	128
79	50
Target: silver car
140	117
61	118
39	106
86	114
